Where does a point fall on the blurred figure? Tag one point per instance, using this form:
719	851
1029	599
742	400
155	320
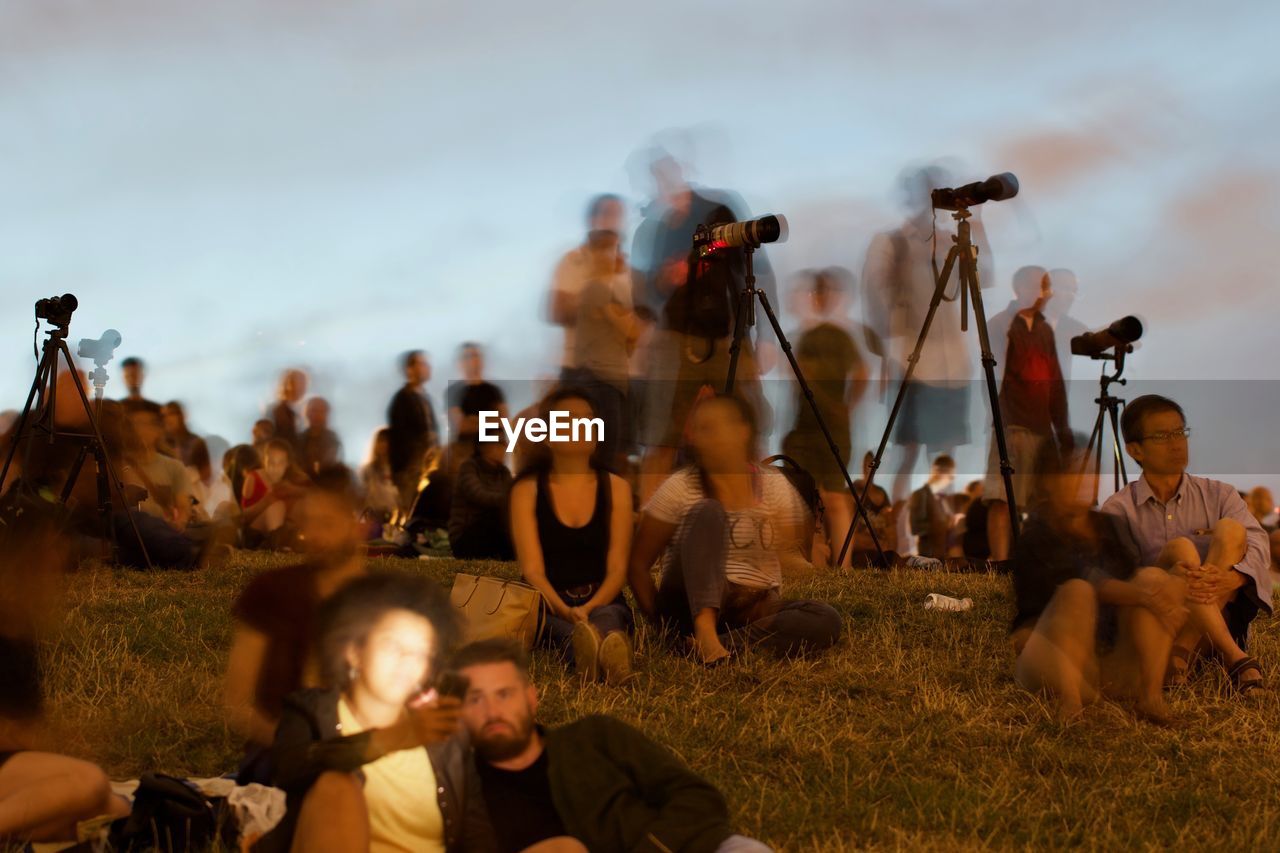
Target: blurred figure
478	522
351	756
1199	529
164	477
931	510
381	495
593	784
179	441
473	395
1079	597
268	495
412	428
571	523
1033	399
833	366
1262	506
697	301
898	285
293	387
135	373
318	446
264	430
720	527
883	518
1058	314
210	490
591	297
275	619
43	794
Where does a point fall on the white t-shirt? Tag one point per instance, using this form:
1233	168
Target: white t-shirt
754	535
571	276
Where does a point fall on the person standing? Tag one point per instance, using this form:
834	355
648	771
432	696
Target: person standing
412	429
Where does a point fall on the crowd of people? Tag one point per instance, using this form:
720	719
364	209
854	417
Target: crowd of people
346	686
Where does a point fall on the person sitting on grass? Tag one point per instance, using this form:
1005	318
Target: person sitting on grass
267	496
478	528
720	527
275	616
571	526
43	794
351	757
1197	527
593	784
1079	597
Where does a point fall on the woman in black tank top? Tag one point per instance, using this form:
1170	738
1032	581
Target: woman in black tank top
571	526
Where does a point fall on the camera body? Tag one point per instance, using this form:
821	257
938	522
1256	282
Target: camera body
101	350
57	310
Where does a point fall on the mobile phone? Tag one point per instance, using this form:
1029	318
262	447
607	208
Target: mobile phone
453	684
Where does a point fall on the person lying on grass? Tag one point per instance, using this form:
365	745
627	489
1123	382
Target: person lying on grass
274	632
377	762
1086	621
720	526
1199	528
43	794
571	525
593	784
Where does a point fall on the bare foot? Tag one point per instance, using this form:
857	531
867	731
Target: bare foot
709	649
1154	710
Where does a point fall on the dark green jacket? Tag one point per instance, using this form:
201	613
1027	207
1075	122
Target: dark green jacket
617	790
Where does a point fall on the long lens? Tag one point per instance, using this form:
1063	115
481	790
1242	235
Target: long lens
1121	333
750	232
995	188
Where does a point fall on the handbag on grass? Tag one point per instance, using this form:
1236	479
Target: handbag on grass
493	607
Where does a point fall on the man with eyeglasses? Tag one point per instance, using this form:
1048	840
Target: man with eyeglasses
1197	527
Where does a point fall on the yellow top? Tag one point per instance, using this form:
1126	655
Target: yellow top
400	793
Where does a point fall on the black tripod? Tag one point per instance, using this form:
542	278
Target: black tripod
40	422
964	252
747	317
1108	409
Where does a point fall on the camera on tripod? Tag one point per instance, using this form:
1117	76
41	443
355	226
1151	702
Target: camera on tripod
57	310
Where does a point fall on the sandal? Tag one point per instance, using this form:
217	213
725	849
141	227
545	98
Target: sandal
1176	676
1236	670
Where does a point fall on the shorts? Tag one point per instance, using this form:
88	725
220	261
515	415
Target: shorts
934	415
679	366
1024	445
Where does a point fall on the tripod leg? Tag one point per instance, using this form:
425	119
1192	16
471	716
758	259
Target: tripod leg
939	288
21	425
104	462
822	425
969	279
1121	475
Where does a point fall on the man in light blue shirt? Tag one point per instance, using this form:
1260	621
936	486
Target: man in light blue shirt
1196	527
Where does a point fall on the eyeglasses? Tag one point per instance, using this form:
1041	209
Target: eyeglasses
1166	437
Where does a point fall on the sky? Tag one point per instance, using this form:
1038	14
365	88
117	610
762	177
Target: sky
242	187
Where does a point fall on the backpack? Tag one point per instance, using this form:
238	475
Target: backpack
172	814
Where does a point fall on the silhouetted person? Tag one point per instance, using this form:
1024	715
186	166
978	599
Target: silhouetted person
293	387
697	303
478	522
832	364
412	425
898	283
1033	399
1058	313
318	446
930	510
179	441
135	373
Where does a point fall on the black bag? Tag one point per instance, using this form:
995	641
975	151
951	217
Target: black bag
171	814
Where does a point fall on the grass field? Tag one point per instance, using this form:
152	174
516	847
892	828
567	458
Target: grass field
909	735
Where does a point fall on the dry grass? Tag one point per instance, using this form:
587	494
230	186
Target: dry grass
911	734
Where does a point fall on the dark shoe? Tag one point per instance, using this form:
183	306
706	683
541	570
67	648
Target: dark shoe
1245	686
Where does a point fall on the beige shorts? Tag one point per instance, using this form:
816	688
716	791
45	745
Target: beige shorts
1024	446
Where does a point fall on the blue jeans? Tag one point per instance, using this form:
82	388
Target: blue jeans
609	619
